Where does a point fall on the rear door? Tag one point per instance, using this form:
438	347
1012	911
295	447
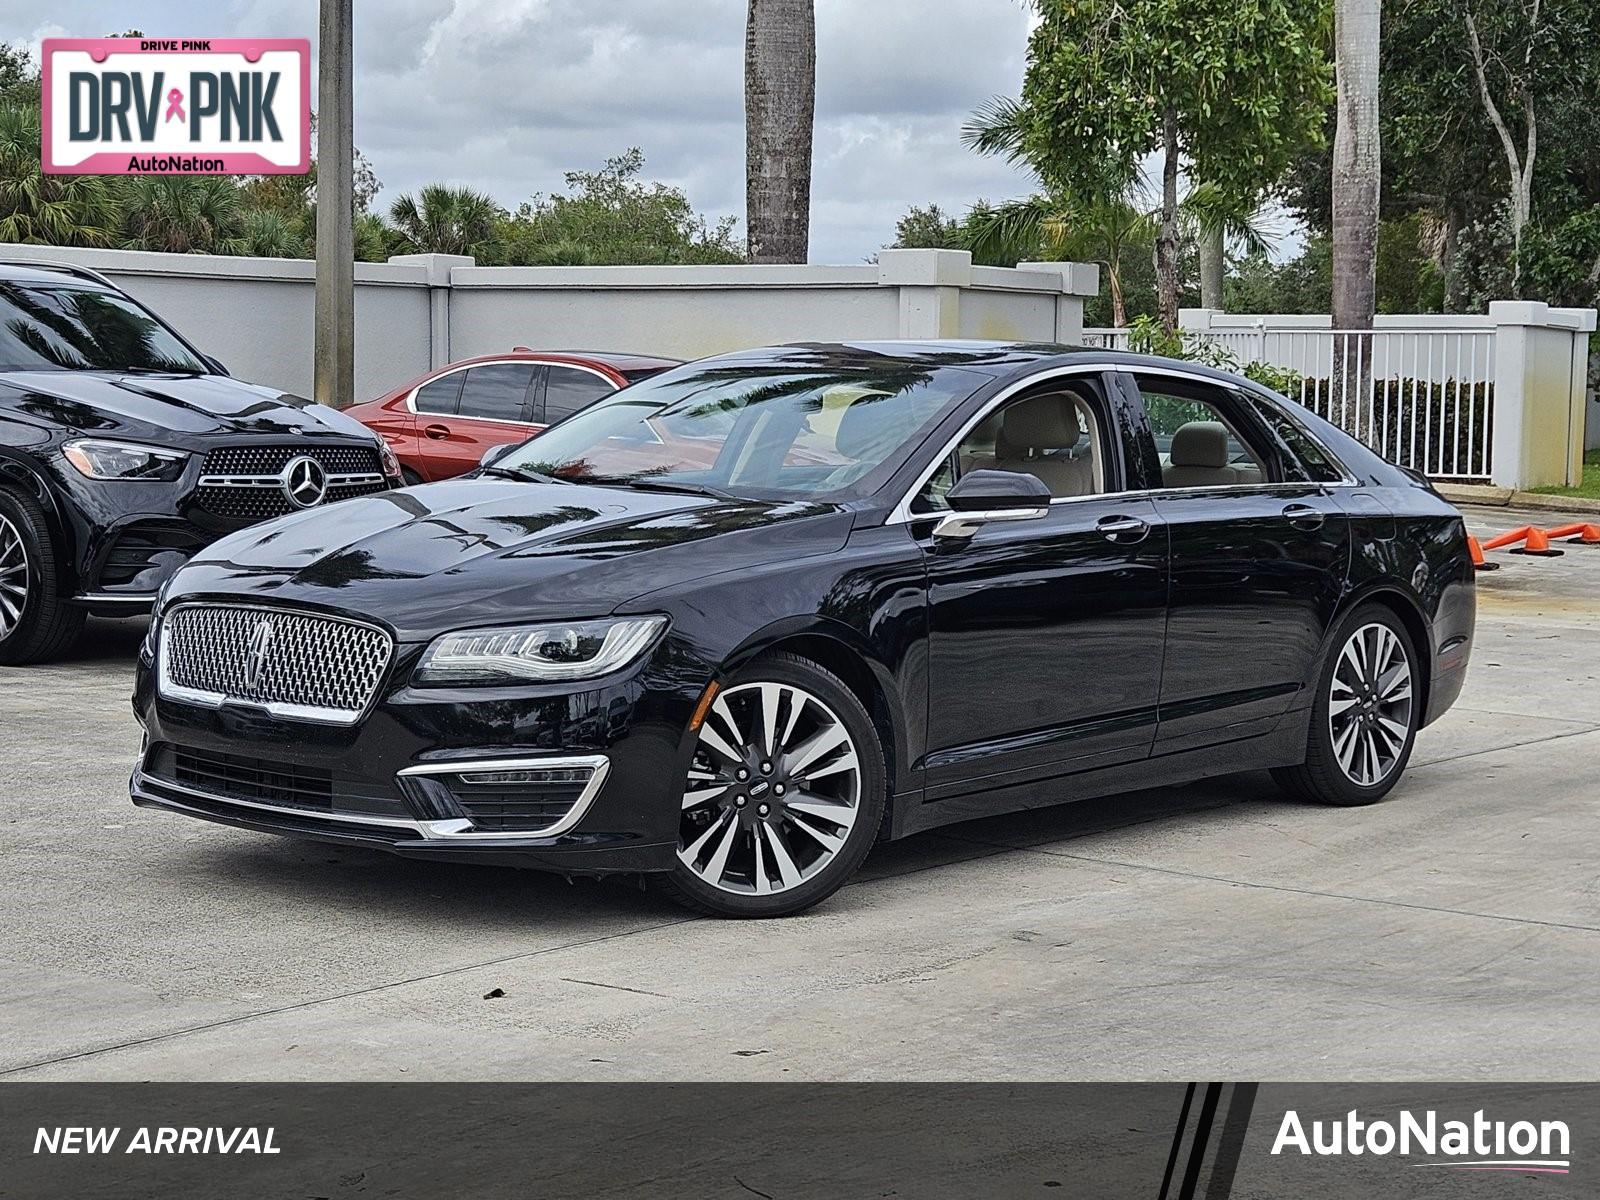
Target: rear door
494	407
568	389
1259	557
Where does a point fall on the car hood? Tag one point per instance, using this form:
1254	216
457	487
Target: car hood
483	551
171	408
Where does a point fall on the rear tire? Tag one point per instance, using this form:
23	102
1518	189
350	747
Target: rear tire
36	620
784	796
1365	717
409	478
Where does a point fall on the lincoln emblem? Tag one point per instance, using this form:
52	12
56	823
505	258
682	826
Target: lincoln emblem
255	657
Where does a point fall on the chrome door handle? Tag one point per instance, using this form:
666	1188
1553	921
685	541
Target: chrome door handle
1303	516
1123	529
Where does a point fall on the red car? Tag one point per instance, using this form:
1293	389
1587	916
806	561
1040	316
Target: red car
440	424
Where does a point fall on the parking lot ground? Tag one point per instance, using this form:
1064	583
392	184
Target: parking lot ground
1216	930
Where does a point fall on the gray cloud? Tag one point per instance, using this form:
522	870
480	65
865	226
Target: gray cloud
506	95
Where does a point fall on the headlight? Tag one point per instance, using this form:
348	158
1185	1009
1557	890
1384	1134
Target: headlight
538	653
124	461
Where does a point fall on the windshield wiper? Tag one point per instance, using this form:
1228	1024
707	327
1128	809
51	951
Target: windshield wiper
691	489
519	475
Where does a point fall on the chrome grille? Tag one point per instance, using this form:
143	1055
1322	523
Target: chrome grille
293	664
269	460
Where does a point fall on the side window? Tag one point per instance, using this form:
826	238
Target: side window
568	389
1312	460
497	391
441	396
1057	436
1198	443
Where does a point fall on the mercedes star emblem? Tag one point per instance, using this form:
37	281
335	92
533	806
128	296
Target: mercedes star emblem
304	482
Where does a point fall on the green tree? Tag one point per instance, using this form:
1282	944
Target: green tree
611	216
52	210
182	214
442	219
1234	90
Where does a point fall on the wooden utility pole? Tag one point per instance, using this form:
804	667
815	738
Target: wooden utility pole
335	379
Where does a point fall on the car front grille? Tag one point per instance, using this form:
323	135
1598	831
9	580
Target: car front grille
294	664
246	483
271	460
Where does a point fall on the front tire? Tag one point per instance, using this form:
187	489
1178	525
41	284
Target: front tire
1364	722
784	795
36	620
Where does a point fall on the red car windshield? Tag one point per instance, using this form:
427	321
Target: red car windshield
764	432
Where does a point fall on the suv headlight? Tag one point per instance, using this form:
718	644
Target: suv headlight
538	653
391	464
124	461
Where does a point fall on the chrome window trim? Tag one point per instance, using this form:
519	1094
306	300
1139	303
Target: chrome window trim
460	828
901	514
411	396
311	714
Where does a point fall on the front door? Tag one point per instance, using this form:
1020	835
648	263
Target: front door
1259	558
1045	635
495	409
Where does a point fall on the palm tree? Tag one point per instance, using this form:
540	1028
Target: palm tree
780	86
444	220
182	214
55	210
1356	181
1103	231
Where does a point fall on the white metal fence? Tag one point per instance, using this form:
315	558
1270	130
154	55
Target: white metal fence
1421	396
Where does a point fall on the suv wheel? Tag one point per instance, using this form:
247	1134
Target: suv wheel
36	622
1364	722
784	795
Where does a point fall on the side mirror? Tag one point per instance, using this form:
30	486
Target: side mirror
495	453
982	497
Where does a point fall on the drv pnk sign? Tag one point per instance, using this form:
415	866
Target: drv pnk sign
153	106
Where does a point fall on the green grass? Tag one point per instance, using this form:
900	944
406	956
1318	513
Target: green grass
1589	488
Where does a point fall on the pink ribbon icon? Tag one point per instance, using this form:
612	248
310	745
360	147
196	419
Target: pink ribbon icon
175	105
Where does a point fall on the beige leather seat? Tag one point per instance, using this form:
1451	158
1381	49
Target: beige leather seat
1200	458
1036	437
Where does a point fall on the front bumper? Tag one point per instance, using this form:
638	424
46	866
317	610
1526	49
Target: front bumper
388	778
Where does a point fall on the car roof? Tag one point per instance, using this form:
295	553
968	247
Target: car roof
20	271
617	360
999	359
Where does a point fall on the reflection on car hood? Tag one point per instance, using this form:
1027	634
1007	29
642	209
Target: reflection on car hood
161	406
489	551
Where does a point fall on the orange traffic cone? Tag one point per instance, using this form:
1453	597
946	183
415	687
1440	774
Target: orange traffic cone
1479	563
1537	544
1578	533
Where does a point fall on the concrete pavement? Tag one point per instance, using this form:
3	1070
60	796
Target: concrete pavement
1216	930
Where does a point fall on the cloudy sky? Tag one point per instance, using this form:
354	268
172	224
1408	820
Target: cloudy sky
506	95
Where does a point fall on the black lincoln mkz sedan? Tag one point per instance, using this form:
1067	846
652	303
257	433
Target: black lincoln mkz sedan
733	625
123	450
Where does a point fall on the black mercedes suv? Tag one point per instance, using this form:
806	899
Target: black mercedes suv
123	450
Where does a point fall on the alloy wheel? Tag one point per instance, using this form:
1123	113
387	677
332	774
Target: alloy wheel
773	791
13	578
1370	704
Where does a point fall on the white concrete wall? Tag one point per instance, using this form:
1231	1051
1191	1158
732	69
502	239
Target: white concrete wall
417	311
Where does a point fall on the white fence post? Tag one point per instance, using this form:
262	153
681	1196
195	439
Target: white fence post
1078	281
1541	360
930	283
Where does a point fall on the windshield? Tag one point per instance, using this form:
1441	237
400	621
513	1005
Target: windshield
772	431
44	328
